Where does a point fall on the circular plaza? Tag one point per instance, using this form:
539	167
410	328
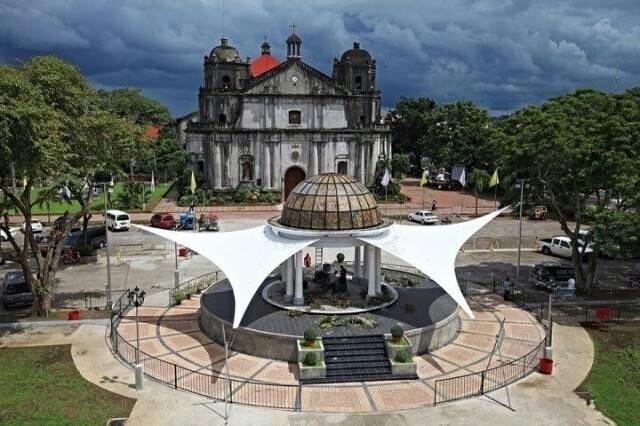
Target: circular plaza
281	329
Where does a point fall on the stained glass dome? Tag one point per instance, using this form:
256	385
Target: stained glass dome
330	201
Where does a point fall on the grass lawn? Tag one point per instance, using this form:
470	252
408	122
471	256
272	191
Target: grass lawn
41	386
614	379
58	208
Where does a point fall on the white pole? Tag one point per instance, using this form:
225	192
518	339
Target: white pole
519	235
106	231
226	363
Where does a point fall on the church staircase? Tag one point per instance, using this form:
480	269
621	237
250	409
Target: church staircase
356	359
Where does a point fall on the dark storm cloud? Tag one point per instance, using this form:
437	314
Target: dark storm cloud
501	54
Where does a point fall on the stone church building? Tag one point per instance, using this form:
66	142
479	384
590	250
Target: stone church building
272	124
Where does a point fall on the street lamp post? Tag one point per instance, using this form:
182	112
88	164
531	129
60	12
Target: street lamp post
136	298
106	232
520	183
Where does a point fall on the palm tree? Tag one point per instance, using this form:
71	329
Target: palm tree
479	179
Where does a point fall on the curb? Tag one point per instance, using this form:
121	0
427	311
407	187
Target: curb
30	324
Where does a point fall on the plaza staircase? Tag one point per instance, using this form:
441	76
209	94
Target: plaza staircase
356	359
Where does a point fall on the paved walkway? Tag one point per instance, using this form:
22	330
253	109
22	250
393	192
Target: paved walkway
172	334
537	400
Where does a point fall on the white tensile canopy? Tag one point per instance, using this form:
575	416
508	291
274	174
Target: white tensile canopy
247	257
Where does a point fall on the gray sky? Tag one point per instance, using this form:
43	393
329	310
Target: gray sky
500	54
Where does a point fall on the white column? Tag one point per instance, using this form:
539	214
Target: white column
371	270
275	179
357	263
298	298
365	262
363	175
217	167
378	274
288	297
314	158
266	166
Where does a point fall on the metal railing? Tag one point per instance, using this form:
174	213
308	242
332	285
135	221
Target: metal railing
210	385
98	299
589	312
194	285
476	384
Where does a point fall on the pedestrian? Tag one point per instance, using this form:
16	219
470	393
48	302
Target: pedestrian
307	261
192	204
434	205
507	287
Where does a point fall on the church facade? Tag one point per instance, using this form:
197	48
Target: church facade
272	124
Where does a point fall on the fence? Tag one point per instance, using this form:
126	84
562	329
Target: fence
210	385
194	285
476	384
594	311
98	299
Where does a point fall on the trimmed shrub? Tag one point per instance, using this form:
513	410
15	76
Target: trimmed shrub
397	332
310	359
310	336
402	356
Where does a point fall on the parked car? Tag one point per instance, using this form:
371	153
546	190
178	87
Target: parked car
96	238
560	246
551	274
36	226
425	217
15	291
5	237
163	221
118	220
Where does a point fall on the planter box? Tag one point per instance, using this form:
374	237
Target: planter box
403	368
394	348
303	350
315	372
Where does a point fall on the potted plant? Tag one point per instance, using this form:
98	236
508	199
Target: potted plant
398	342
312	367
310	344
402	364
178	297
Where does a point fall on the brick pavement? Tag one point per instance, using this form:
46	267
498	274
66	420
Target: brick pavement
172	334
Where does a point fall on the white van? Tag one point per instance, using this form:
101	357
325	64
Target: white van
118	220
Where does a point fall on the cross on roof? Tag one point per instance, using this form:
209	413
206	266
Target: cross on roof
293	27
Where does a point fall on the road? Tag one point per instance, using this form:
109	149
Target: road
144	260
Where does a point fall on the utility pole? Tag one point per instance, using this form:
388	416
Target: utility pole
520	183
106	231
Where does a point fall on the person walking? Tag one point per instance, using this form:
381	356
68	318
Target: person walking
307	261
434	206
507	288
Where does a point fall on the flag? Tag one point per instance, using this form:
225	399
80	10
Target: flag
463	179
193	183
153	182
494	179
386	178
423	179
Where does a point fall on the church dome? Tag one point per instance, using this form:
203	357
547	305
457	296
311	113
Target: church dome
330	201
264	62
224	52
356	55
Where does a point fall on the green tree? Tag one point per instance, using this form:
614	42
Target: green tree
400	166
51	131
409	123
130	103
579	151
479	180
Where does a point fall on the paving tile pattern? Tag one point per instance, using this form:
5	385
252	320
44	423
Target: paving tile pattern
172	334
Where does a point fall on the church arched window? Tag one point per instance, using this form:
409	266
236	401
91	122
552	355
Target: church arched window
246	168
222	119
226	82
358	83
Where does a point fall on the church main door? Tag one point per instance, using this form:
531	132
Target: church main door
292	177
